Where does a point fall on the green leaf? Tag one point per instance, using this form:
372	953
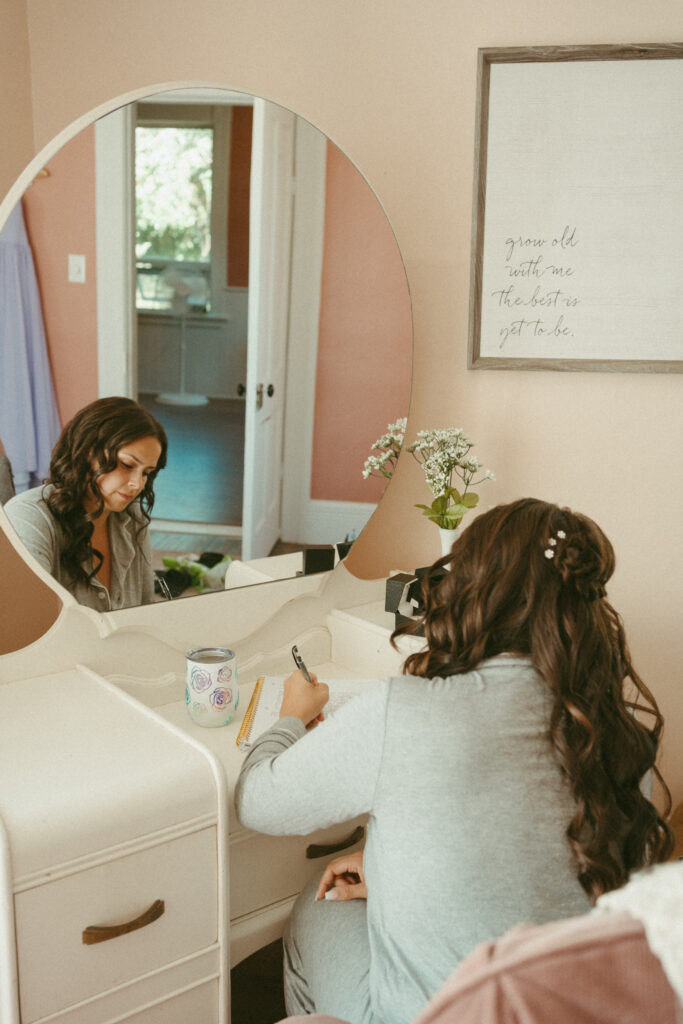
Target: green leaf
455	513
470	499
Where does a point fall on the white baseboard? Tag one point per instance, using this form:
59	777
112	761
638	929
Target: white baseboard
328	522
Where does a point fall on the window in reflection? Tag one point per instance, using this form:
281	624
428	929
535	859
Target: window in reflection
173	200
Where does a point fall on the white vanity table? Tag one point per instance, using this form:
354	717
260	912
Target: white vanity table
112	798
109	813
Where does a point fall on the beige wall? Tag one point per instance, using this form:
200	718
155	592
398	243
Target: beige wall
393	84
15	95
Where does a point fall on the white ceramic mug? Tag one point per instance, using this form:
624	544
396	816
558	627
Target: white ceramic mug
211	691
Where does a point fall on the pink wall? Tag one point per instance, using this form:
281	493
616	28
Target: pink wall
60	219
365	343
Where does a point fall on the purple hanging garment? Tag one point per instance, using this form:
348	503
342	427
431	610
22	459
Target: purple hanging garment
29	422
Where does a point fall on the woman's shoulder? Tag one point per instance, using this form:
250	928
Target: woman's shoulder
32	520
30	503
491	671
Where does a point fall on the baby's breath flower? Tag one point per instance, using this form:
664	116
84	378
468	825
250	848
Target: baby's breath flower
389	446
444	454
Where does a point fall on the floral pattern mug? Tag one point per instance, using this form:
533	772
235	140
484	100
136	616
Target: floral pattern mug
211	691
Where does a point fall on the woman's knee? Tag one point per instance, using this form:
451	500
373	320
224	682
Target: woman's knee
326	952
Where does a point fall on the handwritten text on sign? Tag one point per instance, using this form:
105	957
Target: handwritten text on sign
536	286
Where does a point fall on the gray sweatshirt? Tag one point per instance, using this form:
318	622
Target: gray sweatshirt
467	815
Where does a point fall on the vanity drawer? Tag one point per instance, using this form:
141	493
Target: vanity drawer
57	969
265	869
196	1006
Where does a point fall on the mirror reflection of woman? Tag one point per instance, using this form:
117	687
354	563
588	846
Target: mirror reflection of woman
87	525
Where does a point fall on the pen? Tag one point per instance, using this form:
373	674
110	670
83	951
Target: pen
301	665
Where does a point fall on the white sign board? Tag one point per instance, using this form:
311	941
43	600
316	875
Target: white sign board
578	248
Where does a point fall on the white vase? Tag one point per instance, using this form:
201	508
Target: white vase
447	538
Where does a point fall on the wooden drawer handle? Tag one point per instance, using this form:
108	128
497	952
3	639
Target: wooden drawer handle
100	933
319	850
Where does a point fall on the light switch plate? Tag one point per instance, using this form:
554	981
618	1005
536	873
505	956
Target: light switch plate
76	269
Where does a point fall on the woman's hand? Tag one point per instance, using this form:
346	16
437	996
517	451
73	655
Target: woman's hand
302	700
343	879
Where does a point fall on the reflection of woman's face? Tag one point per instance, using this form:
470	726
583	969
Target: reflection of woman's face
135	461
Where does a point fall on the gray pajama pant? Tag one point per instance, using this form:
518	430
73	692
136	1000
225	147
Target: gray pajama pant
327	957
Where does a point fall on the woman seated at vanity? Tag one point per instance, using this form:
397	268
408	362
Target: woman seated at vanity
501	773
88	524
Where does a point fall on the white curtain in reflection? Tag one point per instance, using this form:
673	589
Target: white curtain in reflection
29	423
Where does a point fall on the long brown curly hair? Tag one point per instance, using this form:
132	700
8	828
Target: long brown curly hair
529	577
87	448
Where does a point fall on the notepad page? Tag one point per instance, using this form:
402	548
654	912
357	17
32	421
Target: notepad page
268	707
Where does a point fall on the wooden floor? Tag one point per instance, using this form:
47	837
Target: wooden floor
194	543
202	480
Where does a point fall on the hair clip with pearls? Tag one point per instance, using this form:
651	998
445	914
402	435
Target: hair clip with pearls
549	552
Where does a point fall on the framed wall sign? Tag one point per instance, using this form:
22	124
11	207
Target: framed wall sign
577	253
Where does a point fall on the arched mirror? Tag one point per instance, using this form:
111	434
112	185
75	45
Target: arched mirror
220	260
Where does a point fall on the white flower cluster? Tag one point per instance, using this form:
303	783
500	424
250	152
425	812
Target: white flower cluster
443	453
389	447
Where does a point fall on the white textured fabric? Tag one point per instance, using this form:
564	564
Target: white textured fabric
654	897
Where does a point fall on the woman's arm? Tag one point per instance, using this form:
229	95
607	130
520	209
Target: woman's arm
294	781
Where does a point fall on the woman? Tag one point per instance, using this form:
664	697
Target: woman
501	774
87	525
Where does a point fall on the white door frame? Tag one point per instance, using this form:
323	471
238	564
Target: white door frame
114	254
310	162
270	252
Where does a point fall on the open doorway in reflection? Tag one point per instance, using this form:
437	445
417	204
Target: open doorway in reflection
198	496
202	481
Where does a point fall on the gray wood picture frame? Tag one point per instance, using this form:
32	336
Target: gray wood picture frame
577	234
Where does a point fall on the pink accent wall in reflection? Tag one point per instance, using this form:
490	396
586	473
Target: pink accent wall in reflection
365	343
60	219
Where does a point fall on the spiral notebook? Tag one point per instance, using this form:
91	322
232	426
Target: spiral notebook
264	706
